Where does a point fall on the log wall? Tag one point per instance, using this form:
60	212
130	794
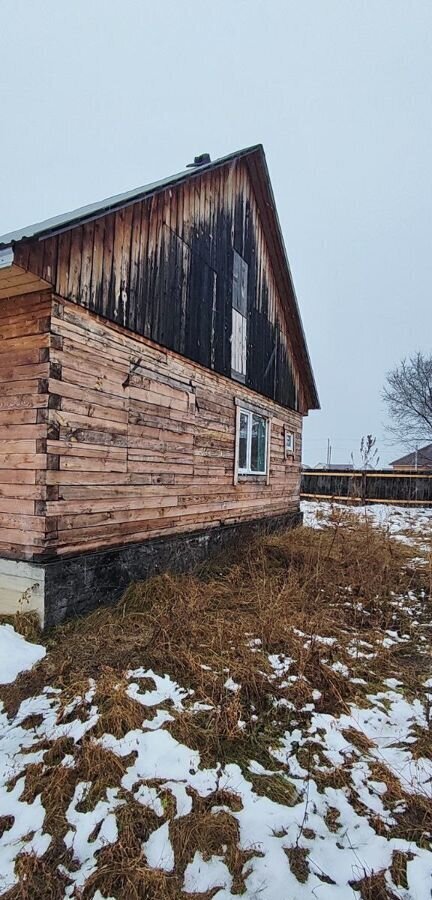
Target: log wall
24	370
142	441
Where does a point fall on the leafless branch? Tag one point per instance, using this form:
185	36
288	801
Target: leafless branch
408	397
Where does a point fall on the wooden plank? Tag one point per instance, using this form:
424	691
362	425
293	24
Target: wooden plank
18	417
95	477
86	263
21	286
22	461
87	450
74	273
23	401
23	373
107	268
62	277
7	445
124	504
27	538
31	341
92	464
118	288
32	524
88	415
22	506
72	387
24	491
95	300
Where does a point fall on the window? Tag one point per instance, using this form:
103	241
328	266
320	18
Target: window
239	318
252	443
289	443
240	282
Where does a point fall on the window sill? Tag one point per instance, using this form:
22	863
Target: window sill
259	479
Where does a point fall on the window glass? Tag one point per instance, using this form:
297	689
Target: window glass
240	281
252	443
258	444
244	421
289	442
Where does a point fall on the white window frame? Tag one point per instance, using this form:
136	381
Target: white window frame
243	410
289	450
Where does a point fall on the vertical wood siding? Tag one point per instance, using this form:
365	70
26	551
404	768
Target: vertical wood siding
24	371
163	268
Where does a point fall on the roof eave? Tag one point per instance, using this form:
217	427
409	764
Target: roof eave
313	399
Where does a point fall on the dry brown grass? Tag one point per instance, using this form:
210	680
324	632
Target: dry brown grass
298	860
276	787
101	767
340	578
373	887
118	713
398	867
122	867
358	738
26	624
6	823
332	818
56	786
38	880
125	875
412	812
422	745
212	832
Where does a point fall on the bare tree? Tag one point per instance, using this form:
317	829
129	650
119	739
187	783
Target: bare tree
408	397
369	457
369	452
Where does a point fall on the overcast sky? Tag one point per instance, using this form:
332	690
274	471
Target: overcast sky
99	96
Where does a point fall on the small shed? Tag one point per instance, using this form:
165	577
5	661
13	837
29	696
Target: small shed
154	376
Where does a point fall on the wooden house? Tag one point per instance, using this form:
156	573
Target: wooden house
417	459
154	375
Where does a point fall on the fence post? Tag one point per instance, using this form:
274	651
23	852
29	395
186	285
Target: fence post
364	486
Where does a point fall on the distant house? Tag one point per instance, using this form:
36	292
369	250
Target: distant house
334	467
154	376
418	459
340	467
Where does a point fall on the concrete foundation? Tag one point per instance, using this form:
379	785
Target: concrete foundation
22	587
63	587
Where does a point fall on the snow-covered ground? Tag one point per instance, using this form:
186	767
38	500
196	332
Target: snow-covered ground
411	525
332	825
343	828
16	654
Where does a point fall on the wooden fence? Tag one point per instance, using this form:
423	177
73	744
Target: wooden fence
378	486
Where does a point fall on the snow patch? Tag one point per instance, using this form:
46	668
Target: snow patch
16	654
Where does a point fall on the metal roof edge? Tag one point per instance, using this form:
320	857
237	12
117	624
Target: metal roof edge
100	208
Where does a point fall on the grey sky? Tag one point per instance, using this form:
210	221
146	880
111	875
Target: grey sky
98	96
